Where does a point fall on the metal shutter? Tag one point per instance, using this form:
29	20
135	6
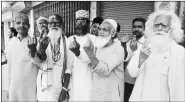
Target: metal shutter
65	9
125	11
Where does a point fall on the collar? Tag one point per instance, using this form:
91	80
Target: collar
19	35
142	40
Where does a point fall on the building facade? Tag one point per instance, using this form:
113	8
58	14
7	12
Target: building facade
122	11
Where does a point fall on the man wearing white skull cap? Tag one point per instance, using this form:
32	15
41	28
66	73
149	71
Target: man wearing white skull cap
106	63
81	73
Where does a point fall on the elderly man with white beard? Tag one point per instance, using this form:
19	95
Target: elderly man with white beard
56	69
81	73
159	65
106	64
42	26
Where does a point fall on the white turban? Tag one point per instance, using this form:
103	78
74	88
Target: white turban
40	19
112	22
82	13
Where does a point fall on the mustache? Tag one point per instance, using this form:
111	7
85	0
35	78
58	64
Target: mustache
22	28
136	32
160	33
54	28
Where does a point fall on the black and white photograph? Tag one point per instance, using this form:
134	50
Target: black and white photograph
82	51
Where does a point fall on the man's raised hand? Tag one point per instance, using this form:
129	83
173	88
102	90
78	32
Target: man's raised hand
32	44
74	46
43	44
144	54
88	47
133	44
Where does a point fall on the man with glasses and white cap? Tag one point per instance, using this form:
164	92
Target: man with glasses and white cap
81	73
106	61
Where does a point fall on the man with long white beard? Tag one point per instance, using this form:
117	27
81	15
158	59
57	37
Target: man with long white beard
106	62
159	65
56	69
81	74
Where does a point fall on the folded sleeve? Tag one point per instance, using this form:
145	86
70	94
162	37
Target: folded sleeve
104	68
176	78
133	65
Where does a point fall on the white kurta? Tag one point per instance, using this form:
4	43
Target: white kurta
49	81
108	76
22	71
81	74
161	77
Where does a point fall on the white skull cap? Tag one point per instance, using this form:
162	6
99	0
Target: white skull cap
41	17
112	22
82	13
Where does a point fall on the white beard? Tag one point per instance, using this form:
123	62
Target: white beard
54	35
100	42
158	42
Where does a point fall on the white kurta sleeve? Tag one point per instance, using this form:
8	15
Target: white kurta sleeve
133	65
176	78
104	68
70	60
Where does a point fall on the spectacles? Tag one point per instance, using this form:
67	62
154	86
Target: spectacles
82	19
55	23
44	24
137	26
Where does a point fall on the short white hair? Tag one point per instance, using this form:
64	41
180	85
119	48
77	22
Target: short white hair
41	17
176	33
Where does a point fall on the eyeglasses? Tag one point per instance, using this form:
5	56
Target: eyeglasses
44	24
137	26
82	20
55	23
103	29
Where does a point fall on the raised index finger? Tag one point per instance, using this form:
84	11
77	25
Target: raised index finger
75	40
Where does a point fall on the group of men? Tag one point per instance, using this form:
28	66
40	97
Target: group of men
94	66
